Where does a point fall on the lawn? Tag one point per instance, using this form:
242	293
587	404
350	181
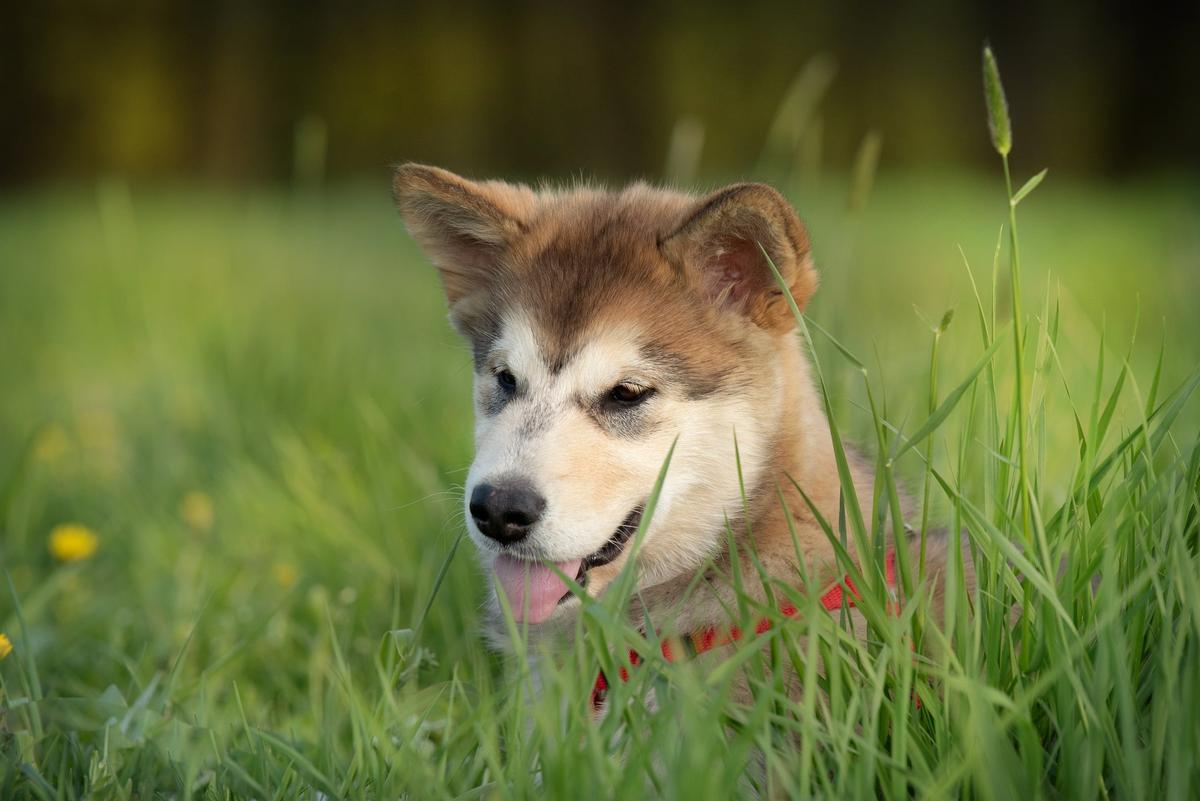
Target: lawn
252	410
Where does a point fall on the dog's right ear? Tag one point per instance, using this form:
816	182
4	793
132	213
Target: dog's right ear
465	227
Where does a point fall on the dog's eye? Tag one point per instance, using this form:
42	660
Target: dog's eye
507	381
627	394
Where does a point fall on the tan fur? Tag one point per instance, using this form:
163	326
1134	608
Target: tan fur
673	287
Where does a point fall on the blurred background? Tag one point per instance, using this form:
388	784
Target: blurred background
231	91
235	422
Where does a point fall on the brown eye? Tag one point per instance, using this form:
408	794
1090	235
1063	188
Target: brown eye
507	381
627	394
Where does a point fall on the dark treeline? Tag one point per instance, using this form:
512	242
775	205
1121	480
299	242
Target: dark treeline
219	89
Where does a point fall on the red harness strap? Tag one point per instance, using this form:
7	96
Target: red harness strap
710	637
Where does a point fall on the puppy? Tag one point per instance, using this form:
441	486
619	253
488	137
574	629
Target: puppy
606	328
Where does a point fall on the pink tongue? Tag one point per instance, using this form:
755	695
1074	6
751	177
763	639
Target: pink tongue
532	590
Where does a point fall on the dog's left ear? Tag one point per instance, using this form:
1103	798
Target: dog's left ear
718	246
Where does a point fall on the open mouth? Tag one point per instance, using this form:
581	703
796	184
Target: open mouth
534	590
609	550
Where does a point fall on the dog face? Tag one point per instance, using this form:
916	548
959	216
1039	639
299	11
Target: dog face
607	328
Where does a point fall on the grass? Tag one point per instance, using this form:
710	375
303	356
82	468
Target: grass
254	402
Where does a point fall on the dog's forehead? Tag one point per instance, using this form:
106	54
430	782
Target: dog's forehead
592	262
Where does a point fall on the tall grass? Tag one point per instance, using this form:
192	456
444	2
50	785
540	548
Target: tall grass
314	634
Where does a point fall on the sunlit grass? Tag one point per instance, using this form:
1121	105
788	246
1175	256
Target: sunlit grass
254	405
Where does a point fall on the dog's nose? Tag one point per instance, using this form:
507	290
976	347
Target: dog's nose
506	512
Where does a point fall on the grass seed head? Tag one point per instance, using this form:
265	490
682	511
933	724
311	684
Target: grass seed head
997	105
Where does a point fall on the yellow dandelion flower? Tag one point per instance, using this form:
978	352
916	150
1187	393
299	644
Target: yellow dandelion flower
5	646
285	574
51	443
71	542
196	509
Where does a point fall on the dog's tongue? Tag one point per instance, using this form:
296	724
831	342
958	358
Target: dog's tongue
532	590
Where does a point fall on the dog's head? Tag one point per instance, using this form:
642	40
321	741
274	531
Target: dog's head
606	326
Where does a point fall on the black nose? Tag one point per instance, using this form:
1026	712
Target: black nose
506	511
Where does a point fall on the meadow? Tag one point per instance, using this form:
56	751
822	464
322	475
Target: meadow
234	427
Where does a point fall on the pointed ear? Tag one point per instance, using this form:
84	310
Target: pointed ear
465	227
718	247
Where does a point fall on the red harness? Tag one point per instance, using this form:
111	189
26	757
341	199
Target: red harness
710	637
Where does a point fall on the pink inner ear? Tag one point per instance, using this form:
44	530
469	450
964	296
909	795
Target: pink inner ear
735	271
